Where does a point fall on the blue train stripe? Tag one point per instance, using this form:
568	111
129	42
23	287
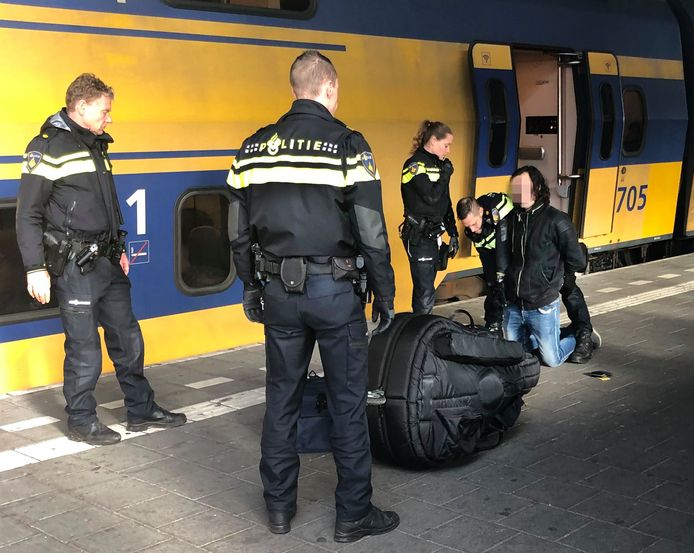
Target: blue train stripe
173	154
85	29
149	155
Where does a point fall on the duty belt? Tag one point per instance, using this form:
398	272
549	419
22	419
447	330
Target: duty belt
272	266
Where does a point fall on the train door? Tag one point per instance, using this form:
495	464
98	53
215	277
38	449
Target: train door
551	134
605	148
496	102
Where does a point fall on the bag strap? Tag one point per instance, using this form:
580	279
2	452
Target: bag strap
460	312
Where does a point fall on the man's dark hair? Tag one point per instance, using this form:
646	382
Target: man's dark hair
465	206
87	87
540	188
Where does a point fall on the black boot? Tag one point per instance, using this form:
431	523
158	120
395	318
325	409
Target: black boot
280	521
158	418
375	522
584	347
93	433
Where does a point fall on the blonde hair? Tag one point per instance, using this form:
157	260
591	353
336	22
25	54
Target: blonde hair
308	73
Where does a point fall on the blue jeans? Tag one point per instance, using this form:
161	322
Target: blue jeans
539	329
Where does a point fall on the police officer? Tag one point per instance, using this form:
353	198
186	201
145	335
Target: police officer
306	198
428	211
68	223
486	226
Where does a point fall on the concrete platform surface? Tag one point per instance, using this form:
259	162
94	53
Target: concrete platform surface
593	466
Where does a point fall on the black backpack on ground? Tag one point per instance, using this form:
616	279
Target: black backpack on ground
445	389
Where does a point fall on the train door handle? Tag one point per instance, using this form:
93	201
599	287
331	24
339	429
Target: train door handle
572	177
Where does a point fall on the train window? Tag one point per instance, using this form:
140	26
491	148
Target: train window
607	108
282	8
634	122
16	304
498	122
203	254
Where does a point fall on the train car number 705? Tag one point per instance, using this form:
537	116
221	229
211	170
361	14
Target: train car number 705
632	194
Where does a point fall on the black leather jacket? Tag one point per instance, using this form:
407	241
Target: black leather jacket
544	242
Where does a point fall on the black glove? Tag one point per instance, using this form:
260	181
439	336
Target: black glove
253	302
384	310
446	169
453	246
569	283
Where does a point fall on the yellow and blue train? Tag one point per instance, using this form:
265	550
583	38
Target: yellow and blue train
594	92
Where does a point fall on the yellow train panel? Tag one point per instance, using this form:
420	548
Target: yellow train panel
650	68
492	56
166	338
602	63
645	201
690	214
599	202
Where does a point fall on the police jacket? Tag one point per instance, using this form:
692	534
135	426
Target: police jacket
66	184
425	189
492	241
544	241
308	186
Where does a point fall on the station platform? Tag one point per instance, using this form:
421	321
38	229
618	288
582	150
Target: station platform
594	465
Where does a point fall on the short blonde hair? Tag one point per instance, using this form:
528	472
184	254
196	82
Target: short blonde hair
308	73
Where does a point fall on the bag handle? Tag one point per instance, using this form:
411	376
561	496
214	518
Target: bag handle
457	312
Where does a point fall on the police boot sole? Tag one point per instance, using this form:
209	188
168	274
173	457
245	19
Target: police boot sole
104	440
349	537
142	426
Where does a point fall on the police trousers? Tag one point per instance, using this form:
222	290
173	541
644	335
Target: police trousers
577	310
422	257
101	296
330	313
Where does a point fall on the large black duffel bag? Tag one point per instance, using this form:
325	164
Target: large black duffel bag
447	387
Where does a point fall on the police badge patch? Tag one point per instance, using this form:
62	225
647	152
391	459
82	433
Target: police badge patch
413	167
367	160
495	215
33	159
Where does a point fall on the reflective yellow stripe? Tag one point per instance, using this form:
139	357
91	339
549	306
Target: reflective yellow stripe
432	172
433	176
62	159
286	158
505	206
488	243
65	170
294	175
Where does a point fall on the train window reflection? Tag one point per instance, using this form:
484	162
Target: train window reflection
203	253
288	8
498	122
607	108
634	122
16	303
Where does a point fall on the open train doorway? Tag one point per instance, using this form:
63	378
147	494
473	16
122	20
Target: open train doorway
552	116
